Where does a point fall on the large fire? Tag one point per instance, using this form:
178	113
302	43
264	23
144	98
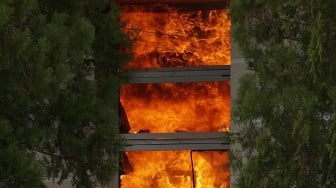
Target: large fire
175	107
179	169
168	37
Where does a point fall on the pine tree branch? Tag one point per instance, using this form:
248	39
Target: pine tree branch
55	155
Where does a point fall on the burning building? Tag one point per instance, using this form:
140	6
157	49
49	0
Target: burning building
175	110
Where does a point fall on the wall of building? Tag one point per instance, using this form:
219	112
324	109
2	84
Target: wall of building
238	68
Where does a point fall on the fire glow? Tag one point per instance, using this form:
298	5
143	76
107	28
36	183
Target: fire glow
168	37
171	38
179	169
177	107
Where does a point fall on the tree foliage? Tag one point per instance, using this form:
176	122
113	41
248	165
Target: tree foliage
59	80
286	105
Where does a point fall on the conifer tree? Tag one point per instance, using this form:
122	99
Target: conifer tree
286	105
60	64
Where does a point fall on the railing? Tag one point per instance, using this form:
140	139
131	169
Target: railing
177	141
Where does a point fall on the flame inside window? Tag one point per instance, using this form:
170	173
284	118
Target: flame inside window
177	107
169	37
176	169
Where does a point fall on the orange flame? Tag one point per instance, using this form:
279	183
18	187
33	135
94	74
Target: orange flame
177	107
177	169
212	169
168	37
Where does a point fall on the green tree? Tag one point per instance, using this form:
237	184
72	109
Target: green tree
60	65
286	105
